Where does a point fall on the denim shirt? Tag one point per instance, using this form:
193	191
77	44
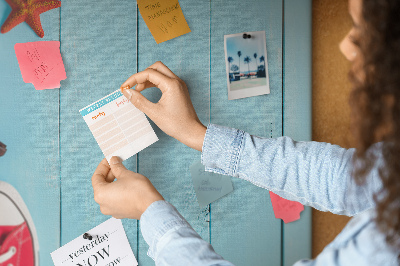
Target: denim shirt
312	173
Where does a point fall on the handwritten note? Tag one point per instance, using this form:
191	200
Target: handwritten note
118	126
108	246
209	186
41	64
284	209
164	18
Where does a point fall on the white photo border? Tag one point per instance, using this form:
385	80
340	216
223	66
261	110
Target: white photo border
248	92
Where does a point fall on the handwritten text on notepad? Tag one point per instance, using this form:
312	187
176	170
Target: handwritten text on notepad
118	126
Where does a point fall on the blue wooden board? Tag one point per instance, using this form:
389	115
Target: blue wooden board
29	126
296	236
243	227
102	44
167	162
98	45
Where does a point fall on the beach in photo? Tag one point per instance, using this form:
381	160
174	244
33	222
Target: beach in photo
246	64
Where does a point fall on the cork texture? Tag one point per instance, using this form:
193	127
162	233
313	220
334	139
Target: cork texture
330	99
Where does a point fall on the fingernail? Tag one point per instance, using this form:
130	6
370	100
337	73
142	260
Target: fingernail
125	88
115	160
129	92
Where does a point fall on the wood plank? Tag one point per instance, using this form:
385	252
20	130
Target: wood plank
98	44
166	163
297	111
243	227
29	128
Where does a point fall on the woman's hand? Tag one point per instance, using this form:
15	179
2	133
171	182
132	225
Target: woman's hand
127	197
173	113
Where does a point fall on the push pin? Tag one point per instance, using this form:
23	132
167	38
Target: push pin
87	236
246	36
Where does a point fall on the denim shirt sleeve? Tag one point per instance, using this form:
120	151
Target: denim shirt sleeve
312	173
172	241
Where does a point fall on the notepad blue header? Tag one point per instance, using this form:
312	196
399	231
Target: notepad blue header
100	103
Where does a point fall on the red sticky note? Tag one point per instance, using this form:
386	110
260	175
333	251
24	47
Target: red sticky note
284	209
41	64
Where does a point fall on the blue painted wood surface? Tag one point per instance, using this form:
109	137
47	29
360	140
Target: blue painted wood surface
167	162
243	227
297	111
102	44
98	45
29	126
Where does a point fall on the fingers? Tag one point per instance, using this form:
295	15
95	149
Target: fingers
117	167
100	174
143	86
140	102
159	80
110	177
160	67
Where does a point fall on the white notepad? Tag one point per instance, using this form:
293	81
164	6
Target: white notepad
118	126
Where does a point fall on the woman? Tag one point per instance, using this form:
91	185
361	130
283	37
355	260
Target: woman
362	182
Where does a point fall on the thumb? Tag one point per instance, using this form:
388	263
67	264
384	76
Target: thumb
117	167
138	100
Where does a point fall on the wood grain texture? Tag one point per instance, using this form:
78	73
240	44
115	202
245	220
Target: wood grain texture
31	162
166	162
297	111
257	240
331	89
98	46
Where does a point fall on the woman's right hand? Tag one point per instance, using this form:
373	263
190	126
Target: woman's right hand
174	112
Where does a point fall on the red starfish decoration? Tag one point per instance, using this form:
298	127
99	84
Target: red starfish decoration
29	11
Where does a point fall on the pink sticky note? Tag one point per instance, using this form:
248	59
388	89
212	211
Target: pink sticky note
284	209
41	63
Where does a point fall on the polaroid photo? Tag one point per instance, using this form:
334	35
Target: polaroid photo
246	64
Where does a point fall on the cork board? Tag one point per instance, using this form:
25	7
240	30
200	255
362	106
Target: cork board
331	89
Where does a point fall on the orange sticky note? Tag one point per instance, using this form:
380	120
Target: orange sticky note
284	209
164	18
41	64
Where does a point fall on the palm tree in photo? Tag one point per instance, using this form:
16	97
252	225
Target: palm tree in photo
234	68
247	60
255	59
230	60
262	59
239	55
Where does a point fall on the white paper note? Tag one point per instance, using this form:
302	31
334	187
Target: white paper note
108	247
118	126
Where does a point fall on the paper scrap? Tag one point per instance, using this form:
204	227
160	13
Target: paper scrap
284	209
209	186
41	64
108	246
164	18
118	126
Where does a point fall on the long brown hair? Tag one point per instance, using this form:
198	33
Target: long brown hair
375	103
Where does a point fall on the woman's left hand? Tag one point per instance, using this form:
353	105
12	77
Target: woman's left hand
127	197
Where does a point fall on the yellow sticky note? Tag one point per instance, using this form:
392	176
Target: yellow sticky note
164	18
